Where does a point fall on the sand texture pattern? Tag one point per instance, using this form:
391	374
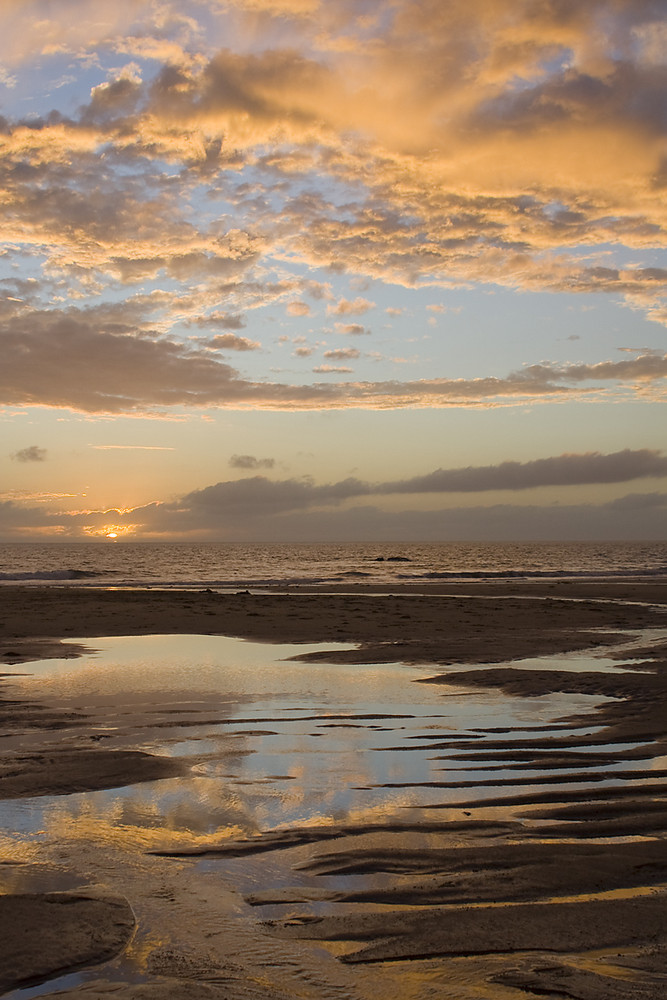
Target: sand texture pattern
40	935
65	772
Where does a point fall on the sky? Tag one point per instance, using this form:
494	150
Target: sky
330	270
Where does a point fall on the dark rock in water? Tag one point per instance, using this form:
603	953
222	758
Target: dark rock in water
398	559
380	559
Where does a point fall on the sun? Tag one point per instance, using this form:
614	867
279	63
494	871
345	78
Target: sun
112	532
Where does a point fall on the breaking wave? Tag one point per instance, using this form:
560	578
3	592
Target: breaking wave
52	574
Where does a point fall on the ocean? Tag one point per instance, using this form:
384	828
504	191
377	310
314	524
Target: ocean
274	566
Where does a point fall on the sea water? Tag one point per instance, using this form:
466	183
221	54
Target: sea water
227	565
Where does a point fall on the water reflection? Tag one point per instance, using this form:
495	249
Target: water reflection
269	743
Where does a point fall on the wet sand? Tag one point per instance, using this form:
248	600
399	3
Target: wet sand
537	890
42	933
65	772
439	624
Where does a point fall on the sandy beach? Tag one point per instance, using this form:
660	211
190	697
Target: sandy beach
560	891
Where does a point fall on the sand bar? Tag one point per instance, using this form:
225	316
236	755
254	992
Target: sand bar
434	623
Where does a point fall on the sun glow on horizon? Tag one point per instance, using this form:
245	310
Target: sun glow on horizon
113	532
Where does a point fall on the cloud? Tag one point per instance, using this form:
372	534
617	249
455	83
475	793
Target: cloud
317	290
652	37
353	329
258	496
329	369
74	359
345	307
65	361
250	462
639	502
31	454
503	143
415	149
225	321
6	79
131	447
627	518
562	470
298	308
342	354
229	342
493	523
27	497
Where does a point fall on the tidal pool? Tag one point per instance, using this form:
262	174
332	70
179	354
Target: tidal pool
271	741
